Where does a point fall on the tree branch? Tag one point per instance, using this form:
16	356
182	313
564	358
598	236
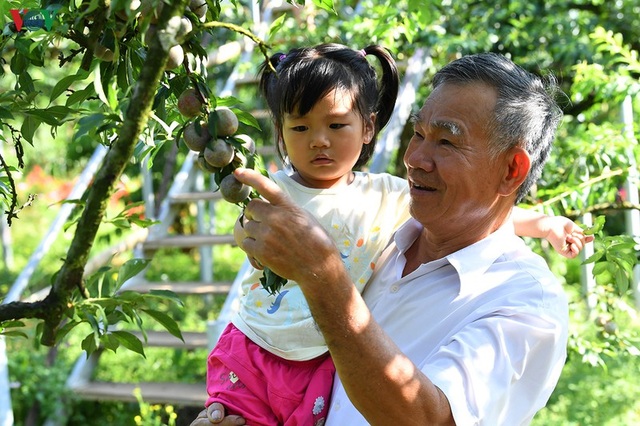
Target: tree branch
70	276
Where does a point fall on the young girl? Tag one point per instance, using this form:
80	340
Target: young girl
271	365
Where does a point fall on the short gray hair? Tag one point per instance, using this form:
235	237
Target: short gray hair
525	114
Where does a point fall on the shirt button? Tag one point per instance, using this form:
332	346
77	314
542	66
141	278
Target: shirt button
395	288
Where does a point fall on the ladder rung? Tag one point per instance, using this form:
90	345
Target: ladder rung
152	392
185	287
191	197
188	241
163	339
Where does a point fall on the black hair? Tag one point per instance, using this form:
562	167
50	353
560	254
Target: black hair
303	76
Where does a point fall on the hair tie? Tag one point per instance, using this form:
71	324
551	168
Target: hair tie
282	57
362	52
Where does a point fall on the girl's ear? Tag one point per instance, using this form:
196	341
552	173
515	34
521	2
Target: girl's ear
369	129
517	164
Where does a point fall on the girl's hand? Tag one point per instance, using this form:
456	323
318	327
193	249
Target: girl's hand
565	236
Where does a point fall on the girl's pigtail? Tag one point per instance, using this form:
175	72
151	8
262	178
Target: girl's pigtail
266	72
389	83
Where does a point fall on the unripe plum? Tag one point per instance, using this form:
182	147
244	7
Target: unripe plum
176	57
199	8
227	122
233	190
218	153
196	141
204	166
189	103
248	143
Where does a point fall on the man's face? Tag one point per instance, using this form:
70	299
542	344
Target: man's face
454	182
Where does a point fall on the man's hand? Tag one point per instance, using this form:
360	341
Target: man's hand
215	414
282	236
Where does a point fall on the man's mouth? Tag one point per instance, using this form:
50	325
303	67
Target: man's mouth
421	187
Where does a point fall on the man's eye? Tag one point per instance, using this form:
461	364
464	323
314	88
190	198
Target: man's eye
445	142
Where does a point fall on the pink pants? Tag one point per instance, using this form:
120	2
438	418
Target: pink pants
265	389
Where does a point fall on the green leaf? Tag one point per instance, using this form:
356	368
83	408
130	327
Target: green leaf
166	321
19	64
167	295
622	281
129	341
271	281
277	24
130	269
600	267
594	257
326	5
91	319
64	83
65	329
11	323
79	96
109	341
13	333
131	296
90	343
597	226
246	118
29	127
5	114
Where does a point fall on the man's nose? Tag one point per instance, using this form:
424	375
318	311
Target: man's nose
420	157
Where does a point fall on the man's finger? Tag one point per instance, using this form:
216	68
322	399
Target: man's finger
201	420
265	186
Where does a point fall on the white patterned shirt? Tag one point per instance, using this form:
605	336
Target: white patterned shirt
360	218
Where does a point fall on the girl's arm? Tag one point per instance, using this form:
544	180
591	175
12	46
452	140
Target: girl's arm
564	235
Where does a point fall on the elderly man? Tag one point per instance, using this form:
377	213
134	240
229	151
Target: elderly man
462	324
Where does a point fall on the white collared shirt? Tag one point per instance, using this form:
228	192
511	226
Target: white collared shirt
486	324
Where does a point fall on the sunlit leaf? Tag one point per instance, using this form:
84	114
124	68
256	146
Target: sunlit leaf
130	269
166	321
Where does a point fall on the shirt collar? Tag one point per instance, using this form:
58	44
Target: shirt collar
470	262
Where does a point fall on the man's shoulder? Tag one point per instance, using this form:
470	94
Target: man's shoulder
529	272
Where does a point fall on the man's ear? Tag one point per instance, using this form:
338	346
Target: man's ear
518	164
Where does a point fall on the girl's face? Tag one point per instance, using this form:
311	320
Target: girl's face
324	144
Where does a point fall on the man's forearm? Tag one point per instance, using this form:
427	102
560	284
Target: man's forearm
382	383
